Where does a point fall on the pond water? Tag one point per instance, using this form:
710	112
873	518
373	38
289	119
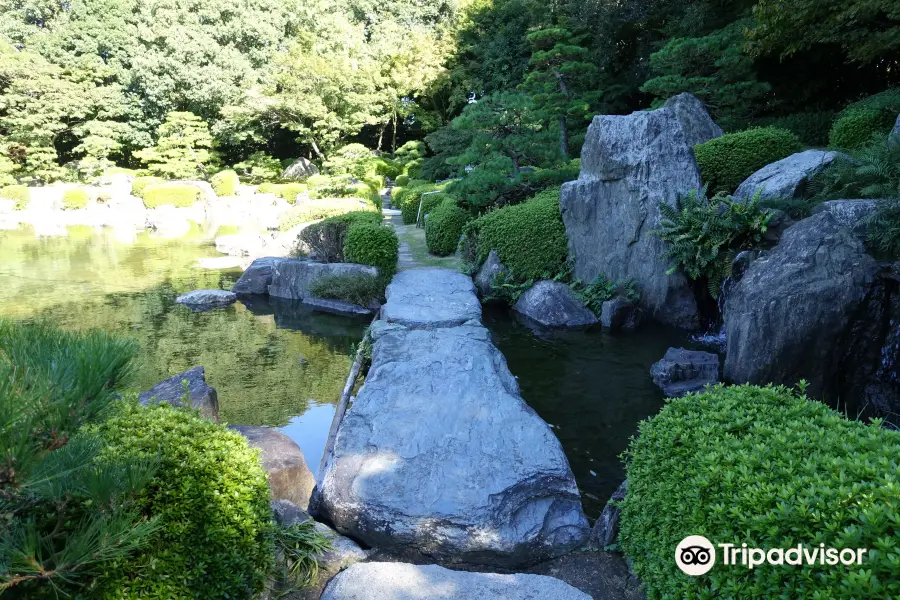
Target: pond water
271	363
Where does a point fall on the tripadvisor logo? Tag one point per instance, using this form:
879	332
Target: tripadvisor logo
696	555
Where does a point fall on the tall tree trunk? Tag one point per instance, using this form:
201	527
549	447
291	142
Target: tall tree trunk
381	135
394	142
315	148
563	138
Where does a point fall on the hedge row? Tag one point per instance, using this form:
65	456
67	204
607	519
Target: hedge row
725	162
180	196
861	120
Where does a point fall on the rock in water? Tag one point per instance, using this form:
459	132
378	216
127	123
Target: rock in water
292	277
300	170
438	456
786	178
400	581
172	391
683	371
629	165
606	529
553	304
491	267
257	278
619	313
787	318
289	477
203	300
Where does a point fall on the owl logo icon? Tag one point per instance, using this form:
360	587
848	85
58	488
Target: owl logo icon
695	555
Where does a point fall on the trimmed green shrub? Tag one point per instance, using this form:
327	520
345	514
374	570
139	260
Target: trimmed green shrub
74	199
322	209
19	193
725	162
860	121
327	237
225	183
285	191
811	127
407	198
401	180
432	201
142	183
357	288
529	238
259	167
387	168
375	245
211	498
444	226
410	151
770	468
177	195
318	181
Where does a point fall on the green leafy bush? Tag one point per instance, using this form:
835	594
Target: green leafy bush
725	162
225	183
601	289
74	199
860	121
769	468
210	497
167	193
387	168
410	151
375	245
142	183
19	193
259	167
810	127
704	236
529	238
327	237
407	198
322	209
402	180
444	226
357	288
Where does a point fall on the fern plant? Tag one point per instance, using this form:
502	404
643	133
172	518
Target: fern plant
704	235
594	294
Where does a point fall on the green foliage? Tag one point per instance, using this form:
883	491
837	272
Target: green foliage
296	549
444	226
508	288
387	168
704	236
75	198
142	183
445	143
402	180
410	151
872	172
259	167
529	238
209	486
375	245
327	238
601	289
225	183
883	228
19	193
810	127
321	209
353	159
182	149
180	196
285	191
860	121
357	288
725	162
770	468
67	515
407	198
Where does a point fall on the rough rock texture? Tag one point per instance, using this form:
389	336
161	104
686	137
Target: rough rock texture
788	317
400	581
552	304
683	371
257	278
430	297
203	300
171	391
691	112
619	313
289	477
606	529
337	307
849	213
300	170
786	178
291	277
487	272
439	458
629	165
896	130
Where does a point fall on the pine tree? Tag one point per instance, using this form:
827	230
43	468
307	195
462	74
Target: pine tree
183	148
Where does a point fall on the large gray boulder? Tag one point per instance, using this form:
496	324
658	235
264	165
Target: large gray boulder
620	313
629	165
788	317
438	456
851	214
490	269
400	581
289	477
192	383
300	170
606	528
257	278
788	177
552	304
204	300
682	372
292	277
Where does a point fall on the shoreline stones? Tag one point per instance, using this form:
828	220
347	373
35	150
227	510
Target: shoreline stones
292	277
202	397
682	371
204	300
289	477
619	313
606	529
553	304
490	269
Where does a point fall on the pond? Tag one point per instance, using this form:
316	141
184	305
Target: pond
271	363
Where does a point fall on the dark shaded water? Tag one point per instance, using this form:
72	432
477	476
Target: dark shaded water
592	387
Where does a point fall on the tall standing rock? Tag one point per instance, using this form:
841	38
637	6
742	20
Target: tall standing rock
629	165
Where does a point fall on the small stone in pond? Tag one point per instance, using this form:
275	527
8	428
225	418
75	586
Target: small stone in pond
592	473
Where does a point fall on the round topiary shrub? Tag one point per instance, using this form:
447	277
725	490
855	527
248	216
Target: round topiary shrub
180	196
142	183
443	227
19	193
725	162
856	124
327	237
211	500
371	244
401	180
225	183
772	469
74	199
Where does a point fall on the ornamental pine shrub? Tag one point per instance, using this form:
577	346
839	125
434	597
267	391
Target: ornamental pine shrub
859	122
768	467
210	497
327	237
142	183
529	238
725	162
180	196
444	226
74	199
19	193
225	183
374	245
